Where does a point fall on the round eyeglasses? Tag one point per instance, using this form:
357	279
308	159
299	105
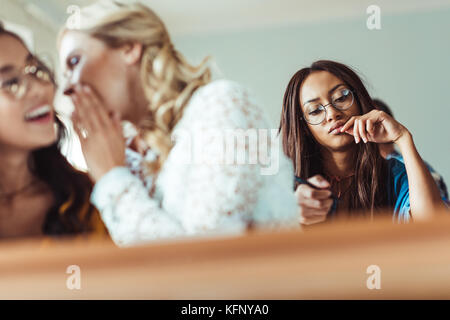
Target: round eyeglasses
16	82
315	113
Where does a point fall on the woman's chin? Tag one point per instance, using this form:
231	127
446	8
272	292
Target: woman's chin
342	142
44	141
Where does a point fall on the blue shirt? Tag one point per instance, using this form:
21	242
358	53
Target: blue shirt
398	190
436	176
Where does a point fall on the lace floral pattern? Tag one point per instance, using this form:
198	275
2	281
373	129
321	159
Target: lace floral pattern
200	191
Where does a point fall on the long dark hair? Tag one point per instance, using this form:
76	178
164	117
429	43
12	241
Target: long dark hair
368	189
71	212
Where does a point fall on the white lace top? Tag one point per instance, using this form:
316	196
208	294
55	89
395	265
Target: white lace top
214	181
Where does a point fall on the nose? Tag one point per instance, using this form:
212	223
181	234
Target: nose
69	85
71	80
333	114
68	88
34	89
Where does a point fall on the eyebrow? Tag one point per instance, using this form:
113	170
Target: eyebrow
329	92
10	67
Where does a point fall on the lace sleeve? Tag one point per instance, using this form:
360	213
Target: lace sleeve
128	211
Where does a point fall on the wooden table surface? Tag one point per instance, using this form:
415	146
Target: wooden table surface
325	262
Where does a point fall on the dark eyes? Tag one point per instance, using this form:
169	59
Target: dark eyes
341	100
315	112
8	84
344	95
73	61
11	82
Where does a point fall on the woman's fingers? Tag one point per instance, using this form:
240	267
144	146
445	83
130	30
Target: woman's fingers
319	181
348	124
80	123
97	107
91	110
110	125
85	118
321	205
314	202
91	116
356	126
312	219
306	192
370	129
362	130
369	126
356	131
79	129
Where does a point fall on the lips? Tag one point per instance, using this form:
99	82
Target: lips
335	129
39	113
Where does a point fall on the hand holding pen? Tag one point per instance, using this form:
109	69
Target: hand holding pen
315	200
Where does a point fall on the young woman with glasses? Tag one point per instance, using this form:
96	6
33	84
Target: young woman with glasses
40	192
330	129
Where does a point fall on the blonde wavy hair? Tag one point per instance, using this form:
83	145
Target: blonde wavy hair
167	78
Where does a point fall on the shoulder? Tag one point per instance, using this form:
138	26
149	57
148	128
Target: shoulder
220	95
396	167
222	87
399	157
224	103
398	178
395	155
398	189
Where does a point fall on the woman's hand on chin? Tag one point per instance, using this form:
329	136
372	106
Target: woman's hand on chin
375	126
100	134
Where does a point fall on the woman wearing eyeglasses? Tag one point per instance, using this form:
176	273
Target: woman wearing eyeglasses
330	130
40	192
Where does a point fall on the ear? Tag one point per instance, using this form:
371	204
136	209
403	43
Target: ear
132	52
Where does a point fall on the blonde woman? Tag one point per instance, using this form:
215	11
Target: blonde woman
120	64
